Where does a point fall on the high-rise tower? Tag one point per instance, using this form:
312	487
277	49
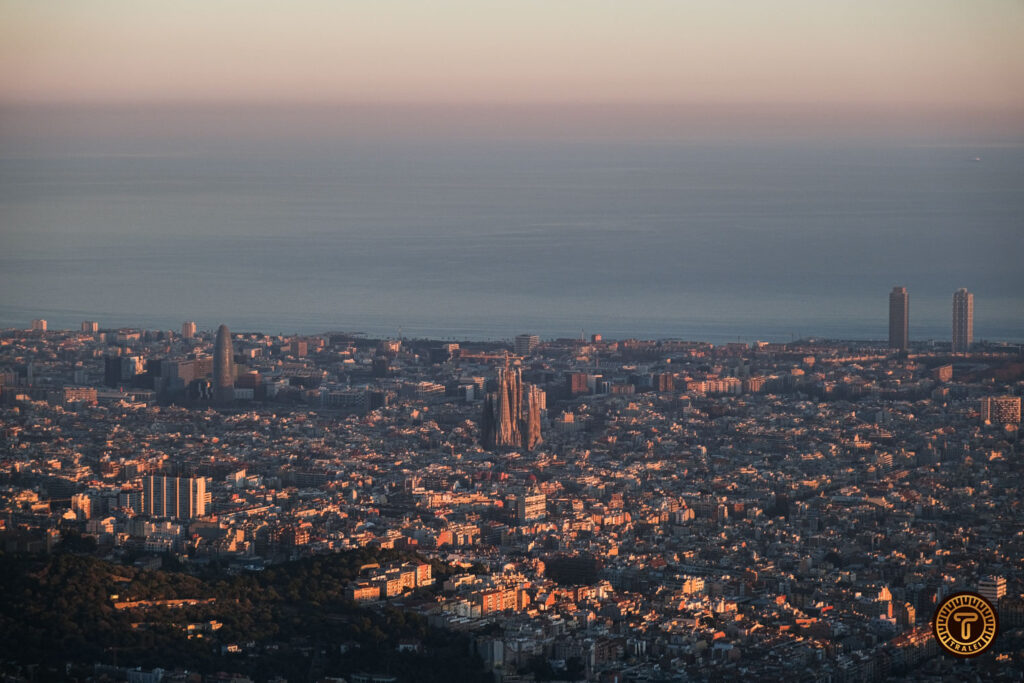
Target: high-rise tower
188	329
899	319
963	320
223	367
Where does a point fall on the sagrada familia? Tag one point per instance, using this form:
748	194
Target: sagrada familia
511	415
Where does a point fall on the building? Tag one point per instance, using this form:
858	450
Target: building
223	367
536	401
362	592
188	329
346	399
176	497
899	319
77	394
39	325
963	320
81	505
905	614
499	600
121	369
90	326
753	385
511	416
577	383
1001	410
943	373
181	373
992	588
526	343
389	581
531	506
663	382
501	423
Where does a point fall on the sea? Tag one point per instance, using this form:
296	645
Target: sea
483	237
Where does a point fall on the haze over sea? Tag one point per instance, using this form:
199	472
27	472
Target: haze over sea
482	237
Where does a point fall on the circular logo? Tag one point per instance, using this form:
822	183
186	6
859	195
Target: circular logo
965	624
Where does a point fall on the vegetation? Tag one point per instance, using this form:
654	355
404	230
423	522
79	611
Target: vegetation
290	620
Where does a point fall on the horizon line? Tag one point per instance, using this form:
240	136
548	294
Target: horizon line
501	340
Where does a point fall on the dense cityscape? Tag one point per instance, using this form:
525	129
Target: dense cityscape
244	506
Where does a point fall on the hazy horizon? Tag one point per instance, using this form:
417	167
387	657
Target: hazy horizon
89	128
917	53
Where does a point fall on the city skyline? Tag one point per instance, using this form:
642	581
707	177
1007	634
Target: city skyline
899	336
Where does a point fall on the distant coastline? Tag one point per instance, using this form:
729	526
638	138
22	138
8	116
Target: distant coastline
714	333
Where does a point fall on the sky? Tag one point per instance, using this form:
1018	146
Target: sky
877	54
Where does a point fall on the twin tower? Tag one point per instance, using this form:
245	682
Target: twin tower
899	319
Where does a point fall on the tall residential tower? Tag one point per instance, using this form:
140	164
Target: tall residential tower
963	320
899	319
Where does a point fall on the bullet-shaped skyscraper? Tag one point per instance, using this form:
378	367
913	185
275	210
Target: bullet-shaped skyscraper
899	319
223	367
963	320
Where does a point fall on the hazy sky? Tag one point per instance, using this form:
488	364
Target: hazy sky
882	53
